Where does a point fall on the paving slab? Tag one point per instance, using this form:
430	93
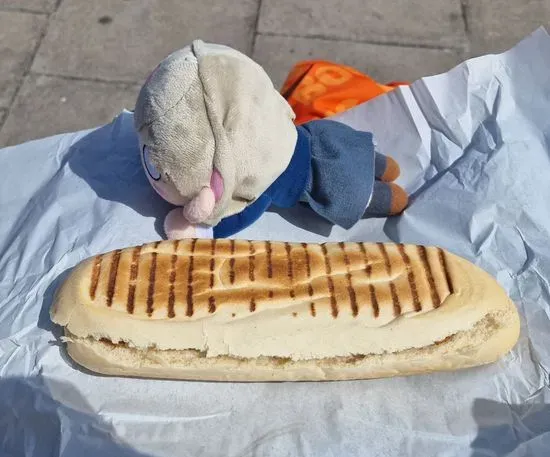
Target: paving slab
497	25
19	35
39	6
50	105
384	63
428	22
125	40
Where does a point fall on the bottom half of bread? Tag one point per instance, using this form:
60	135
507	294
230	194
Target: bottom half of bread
484	343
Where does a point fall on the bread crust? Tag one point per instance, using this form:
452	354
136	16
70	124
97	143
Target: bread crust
234	310
485	343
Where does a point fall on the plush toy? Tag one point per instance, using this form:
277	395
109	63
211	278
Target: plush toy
218	141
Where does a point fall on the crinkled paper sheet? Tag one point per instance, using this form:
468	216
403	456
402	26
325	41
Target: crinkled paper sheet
474	147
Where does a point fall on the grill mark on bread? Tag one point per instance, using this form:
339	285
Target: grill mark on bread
393	291
232	263
395	300
95	276
443	260
372	290
134	269
269	265
436	299
211	304
189	311
172	280
386	257
351	290
312	309
152	280
308	270
251	264
328	269
374	301
113	270
212	262
251	275
308	264
290	272
364	252
268	250
410	277
368	266
151	288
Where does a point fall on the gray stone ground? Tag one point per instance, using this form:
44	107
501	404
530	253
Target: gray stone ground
73	64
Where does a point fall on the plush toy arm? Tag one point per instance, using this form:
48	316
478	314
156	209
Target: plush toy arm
233	224
177	227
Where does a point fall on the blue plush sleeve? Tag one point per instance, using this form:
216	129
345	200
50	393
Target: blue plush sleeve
233	224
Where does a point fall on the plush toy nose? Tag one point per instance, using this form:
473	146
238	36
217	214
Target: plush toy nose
200	207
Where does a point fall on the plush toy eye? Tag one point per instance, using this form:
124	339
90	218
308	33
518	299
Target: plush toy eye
151	169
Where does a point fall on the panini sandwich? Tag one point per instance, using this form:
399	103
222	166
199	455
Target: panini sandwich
236	310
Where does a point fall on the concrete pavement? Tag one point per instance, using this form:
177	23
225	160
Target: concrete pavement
74	64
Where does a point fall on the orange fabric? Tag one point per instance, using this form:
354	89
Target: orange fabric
317	89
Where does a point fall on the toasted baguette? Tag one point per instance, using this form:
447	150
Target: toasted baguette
271	311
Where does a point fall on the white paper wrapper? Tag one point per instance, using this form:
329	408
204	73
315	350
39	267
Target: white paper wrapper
474	148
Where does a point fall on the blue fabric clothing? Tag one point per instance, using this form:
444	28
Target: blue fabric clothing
342	171
285	192
332	170
232	224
